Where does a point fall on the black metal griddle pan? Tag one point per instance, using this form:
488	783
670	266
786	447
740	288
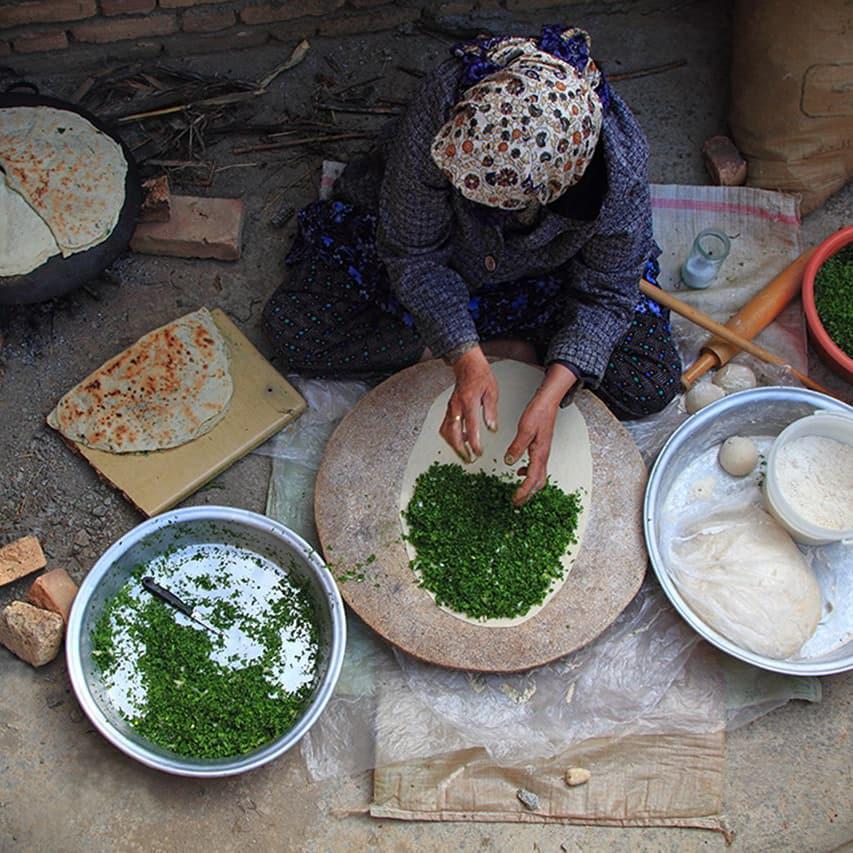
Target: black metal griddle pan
59	275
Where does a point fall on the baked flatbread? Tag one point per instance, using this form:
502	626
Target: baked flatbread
67	170
172	386
25	239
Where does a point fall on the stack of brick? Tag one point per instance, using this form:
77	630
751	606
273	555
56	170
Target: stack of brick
177	27
33	630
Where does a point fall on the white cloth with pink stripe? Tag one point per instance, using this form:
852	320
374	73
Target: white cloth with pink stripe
764	230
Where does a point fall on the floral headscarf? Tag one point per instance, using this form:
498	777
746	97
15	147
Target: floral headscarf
527	130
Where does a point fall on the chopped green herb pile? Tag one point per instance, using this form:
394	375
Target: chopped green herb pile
190	702
833	296
476	552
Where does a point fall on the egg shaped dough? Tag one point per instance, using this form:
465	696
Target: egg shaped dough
734	377
738	455
702	395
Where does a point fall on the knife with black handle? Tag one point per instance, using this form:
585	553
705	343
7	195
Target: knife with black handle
170	598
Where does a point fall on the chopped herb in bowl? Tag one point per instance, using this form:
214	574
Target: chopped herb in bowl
205	694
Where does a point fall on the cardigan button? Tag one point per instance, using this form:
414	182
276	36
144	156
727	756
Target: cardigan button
491	263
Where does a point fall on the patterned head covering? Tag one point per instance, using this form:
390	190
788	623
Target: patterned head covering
525	132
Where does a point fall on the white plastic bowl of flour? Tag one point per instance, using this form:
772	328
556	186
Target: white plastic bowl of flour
808	487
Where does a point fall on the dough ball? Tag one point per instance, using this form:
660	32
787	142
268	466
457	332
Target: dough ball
702	395
738	456
734	377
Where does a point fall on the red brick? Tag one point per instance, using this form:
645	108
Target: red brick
54	591
31	633
45	12
127	7
19	558
183	4
372	22
198	228
267	13
38	42
120	29
236	39
724	162
207	20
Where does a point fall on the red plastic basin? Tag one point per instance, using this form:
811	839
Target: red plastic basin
826	348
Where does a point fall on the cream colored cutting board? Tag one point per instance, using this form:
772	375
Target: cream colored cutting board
263	402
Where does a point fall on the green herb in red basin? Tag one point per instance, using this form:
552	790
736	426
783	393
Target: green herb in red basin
833	294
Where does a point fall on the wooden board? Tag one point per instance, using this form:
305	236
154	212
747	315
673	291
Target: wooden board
262	403
357	515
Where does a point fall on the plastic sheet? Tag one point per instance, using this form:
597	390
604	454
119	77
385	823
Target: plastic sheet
617	685
296	451
649	672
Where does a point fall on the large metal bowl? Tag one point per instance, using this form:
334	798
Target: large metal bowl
758	412
183	527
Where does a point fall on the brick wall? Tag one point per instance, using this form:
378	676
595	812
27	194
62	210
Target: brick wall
73	29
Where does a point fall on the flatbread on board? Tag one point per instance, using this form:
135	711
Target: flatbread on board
171	386
25	239
569	465
69	172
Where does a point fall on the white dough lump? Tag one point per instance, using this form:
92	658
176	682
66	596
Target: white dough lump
702	395
734	377
744	575
738	456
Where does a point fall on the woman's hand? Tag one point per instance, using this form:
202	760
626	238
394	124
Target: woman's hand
536	430
476	388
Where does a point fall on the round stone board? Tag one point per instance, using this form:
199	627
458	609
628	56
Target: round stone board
358	520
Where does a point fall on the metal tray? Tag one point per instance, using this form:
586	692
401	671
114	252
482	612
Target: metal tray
256	539
690	454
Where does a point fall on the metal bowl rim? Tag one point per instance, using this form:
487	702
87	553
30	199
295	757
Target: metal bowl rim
688	428
188	767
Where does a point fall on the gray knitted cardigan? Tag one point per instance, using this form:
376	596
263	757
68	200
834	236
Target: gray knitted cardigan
439	248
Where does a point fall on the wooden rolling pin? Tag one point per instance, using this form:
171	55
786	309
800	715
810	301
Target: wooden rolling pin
701	319
755	316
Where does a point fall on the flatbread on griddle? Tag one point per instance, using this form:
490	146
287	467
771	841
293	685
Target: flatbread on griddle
170	387
67	170
25	240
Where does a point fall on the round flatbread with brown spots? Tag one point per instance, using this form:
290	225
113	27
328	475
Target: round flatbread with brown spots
69	172
172	386
25	240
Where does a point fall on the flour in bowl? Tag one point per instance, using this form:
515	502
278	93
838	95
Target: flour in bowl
815	476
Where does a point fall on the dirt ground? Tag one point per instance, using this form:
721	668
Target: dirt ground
62	787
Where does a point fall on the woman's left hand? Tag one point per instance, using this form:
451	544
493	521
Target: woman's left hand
536	430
